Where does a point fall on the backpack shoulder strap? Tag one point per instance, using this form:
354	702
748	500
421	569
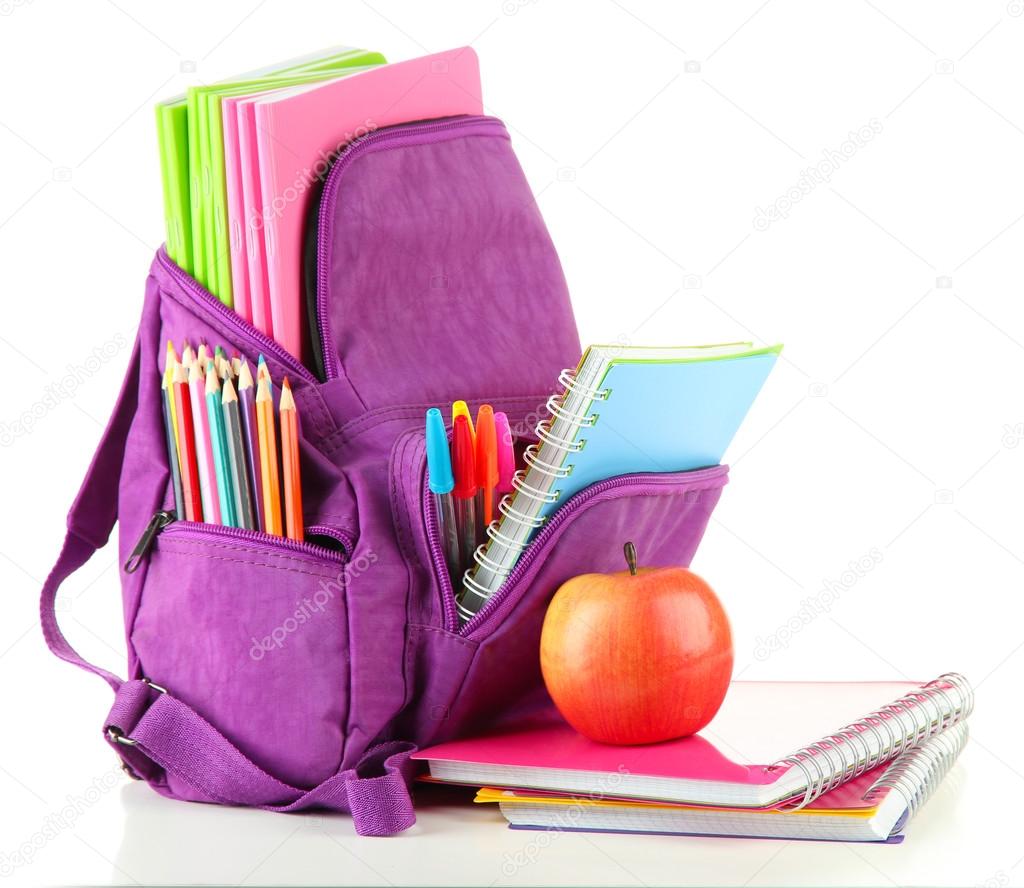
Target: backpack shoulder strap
154	732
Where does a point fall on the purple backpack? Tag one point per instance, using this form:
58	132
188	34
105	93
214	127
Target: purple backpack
285	675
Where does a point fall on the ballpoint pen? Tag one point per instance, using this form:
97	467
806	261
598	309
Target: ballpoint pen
464	491
486	468
460	408
506	453
441	482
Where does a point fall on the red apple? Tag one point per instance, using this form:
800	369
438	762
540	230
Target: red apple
637	656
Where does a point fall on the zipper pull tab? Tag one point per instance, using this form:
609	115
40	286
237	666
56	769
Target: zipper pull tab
157	523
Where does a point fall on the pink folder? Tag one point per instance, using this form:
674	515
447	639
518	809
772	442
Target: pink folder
252	214
236	208
297	129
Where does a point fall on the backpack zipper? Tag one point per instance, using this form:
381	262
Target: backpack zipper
157	523
329	197
164	518
268	346
640	482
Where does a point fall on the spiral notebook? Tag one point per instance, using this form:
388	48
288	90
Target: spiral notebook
748	757
624	410
874	807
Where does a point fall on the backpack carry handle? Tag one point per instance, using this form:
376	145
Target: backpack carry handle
152	731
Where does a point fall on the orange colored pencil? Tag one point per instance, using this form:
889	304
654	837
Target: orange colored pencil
187	442
268	459
290	464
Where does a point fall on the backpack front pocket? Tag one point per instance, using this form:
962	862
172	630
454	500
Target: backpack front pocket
251	631
464	676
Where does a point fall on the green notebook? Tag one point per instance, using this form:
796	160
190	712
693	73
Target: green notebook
172	137
190	136
215	214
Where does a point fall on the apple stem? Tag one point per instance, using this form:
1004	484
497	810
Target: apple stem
630	551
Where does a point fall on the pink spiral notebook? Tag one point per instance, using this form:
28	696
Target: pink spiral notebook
758	752
296	129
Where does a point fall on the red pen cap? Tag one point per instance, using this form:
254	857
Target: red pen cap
463	460
486	449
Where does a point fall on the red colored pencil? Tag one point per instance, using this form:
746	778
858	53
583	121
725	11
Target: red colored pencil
186	439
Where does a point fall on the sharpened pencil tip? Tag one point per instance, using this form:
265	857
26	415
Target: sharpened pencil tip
287	400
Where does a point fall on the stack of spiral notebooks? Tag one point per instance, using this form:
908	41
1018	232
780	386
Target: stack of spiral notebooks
860	783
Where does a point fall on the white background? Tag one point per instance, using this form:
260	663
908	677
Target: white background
652	134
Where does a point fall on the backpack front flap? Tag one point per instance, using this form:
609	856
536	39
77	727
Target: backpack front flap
436	276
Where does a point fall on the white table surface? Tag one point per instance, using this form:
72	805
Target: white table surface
132	836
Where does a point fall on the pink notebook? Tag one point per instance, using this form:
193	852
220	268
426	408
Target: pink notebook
252	215
239	167
236	209
759	751
296	128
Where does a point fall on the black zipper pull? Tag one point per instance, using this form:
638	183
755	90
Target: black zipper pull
157	523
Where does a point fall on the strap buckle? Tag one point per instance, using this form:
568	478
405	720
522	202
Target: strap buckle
119	736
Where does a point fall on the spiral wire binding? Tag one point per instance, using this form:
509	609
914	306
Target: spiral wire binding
916	774
532	458
901	725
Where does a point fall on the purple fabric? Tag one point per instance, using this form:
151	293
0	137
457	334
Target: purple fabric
188	747
298	677
437	247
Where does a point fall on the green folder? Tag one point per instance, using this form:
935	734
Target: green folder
190	136
172	137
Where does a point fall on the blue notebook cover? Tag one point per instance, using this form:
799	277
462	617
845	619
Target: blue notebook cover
665	416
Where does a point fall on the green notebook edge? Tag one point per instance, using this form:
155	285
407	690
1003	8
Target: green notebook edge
178	144
215	213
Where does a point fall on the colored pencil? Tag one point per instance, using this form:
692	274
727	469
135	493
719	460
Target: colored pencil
187	441
290	464
172	359
219	445
268	459
236	457
263	372
187	355
202	356
204	446
236	365
167	397
247	409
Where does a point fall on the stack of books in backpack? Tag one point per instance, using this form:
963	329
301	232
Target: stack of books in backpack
242	161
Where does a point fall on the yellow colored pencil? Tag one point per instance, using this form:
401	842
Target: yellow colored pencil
171	363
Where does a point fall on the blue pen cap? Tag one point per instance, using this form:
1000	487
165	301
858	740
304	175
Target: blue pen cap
439	458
